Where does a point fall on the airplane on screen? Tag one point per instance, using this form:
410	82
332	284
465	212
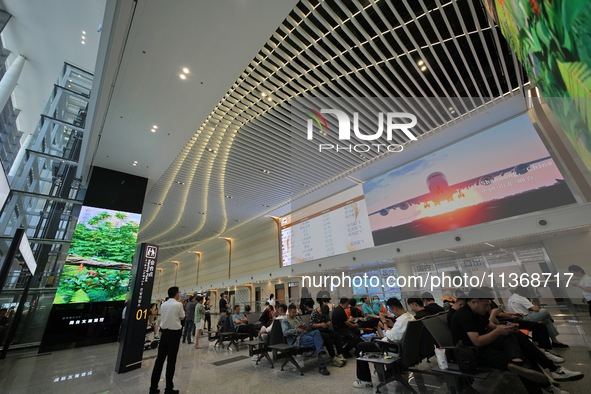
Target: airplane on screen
440	190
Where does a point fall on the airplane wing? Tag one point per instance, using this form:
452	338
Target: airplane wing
487	179
404	205
483	180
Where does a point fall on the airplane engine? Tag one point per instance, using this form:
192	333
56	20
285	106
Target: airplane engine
404	206
384	212
521	169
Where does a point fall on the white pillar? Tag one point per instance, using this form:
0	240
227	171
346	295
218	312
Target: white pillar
9	80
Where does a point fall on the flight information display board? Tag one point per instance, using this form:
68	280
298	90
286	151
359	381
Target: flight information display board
336	225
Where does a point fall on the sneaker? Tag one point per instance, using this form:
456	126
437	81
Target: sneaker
255	357
564	374
554	390
337	363
360	384
342	358
527	373
324	371
553	357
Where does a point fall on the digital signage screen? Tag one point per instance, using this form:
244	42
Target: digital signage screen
501	172
332	226
99	260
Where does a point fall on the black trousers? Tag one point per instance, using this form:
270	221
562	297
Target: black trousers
207	321
501	351
167	349
363	372
589	302
331	341
350	340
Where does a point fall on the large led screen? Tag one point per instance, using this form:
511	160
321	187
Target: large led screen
333	226
551	40
499	173
99	260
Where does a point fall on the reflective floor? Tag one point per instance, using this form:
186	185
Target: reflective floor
91	370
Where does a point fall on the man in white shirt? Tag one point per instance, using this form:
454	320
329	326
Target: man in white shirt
172	313
584	283
394	334
518	303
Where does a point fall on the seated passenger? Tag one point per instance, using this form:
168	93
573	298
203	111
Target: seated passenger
348	328
431	306
416	305
319	321
240	323
518	303
497	346
395	334
294	330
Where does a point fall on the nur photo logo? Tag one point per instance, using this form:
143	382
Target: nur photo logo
391	123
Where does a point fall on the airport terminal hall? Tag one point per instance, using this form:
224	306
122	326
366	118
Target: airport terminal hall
328	196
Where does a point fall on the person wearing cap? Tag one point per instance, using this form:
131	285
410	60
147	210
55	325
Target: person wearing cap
497	345
431	306
448	300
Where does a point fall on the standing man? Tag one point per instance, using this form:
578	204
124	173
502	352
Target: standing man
223	303
172	313
189	328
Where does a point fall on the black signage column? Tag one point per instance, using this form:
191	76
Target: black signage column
135	319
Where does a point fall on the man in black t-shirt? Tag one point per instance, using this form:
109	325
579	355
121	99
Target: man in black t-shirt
431	306
346	327
497	347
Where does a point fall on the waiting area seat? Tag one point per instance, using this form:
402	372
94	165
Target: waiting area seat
229	334
282	350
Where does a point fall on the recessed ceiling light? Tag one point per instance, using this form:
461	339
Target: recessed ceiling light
264	94
83	31
420	62
182	76
269	99
180	183
229	197
155	126
210	150
186	70
266	171
135	164
84	37
266	206
424	68
153	130
83	42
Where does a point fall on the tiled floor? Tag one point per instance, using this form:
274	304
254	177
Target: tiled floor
91	370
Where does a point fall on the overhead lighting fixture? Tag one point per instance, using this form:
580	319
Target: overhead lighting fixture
264	94
155	126
424	68
182	76
135	163
266	171
450	251
229	197
420	62
84	37
83	31
269	98
180	183
201	213
186	70
491	245
153	130
210	150
83	42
